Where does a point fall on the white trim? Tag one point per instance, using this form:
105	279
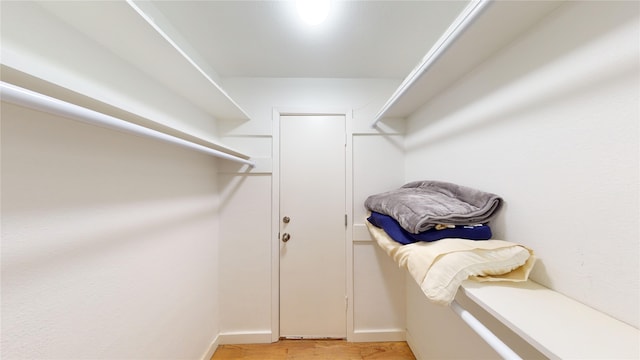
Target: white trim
245	337
349	230
275	211
212	348
275	227
378	335
301	111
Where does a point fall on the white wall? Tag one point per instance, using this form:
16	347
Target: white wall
551	124
109	243
246	296
379	291
245	258
258	96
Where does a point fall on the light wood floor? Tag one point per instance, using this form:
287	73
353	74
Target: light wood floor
315	349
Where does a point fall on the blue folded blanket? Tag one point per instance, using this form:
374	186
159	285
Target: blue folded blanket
397	233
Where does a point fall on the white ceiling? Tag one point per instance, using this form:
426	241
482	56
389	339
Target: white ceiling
360	39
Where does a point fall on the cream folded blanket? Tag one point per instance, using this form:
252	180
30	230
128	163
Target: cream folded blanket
440	267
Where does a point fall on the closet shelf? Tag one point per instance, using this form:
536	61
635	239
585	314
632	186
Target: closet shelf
63	102
138	34
482	29
556	325
163	27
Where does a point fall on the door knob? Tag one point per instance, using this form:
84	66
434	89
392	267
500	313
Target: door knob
286	219
286	237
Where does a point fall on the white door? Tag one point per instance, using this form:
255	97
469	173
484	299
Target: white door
312	198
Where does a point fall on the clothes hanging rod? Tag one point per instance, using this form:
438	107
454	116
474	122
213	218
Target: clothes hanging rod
37	101
490	338
466	18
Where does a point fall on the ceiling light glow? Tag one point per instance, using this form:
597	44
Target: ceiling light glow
313	12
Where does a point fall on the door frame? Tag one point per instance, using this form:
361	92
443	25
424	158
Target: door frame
275	212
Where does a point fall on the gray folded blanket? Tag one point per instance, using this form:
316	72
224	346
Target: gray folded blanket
421	205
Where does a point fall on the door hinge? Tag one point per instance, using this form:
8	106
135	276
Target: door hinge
346	303
345	220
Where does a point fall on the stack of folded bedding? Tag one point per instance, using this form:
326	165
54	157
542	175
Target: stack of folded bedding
440	267
407	222
433	210
397	233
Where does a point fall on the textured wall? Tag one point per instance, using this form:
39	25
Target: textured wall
551	124
109	243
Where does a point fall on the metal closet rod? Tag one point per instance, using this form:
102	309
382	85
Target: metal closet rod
37	101
451	34
489	337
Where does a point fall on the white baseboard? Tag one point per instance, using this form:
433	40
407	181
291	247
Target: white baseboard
212	348
413	346
258	337
265	337
378	335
